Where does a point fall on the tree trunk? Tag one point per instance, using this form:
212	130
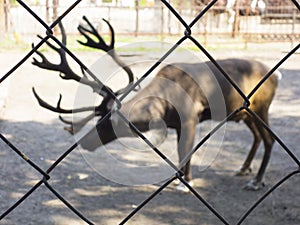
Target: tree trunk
4	22
55	4
2	18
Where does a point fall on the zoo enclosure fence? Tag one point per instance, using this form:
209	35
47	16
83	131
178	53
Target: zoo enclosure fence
278	23
187	35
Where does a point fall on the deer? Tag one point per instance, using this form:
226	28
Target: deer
181	95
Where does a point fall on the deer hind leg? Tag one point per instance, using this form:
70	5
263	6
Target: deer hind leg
268	141
246	167
185	138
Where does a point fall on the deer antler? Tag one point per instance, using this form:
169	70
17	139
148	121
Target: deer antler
108	48
58	108
63	67
76	126
67	73
90	41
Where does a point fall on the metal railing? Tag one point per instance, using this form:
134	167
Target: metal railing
274	24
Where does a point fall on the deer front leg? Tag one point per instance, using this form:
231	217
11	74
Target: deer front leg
185	138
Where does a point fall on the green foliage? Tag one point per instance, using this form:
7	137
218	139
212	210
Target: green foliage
143	2
13	2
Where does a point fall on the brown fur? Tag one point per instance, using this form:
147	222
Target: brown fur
184	94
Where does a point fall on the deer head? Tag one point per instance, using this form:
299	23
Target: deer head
93	40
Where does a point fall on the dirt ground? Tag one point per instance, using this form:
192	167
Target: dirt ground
40	135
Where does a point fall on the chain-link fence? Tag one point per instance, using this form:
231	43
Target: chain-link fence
187	35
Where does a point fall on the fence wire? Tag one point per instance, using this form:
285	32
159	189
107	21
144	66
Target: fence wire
187	35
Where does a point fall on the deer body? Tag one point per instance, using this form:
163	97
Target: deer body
175	96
